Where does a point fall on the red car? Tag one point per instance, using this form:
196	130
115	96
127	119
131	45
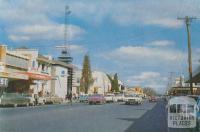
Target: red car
96	99
152	99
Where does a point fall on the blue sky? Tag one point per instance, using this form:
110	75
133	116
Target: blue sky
141	40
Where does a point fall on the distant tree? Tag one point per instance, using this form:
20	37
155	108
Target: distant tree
86	78
114	83
149	91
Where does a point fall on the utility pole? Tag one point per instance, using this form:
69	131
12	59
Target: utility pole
188	20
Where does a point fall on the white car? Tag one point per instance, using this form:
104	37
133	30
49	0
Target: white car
133	99
30	97
109	98
41	100
119	98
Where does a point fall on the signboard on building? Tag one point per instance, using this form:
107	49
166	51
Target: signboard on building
3	82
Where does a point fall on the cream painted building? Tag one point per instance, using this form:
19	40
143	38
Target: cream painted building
60	74
101	83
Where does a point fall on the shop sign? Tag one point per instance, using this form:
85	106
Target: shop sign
3	82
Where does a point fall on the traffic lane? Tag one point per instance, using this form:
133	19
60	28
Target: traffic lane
154	120
76	118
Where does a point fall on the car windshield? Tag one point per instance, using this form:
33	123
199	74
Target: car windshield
100	65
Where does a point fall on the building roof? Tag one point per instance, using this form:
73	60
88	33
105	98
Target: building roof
44	59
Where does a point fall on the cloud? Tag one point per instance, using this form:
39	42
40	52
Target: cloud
77	48
161	43
146	54
149	79
146	76
146	65
158	12
74	48
43	32
31	20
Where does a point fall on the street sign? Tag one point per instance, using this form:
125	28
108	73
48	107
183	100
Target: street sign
3	82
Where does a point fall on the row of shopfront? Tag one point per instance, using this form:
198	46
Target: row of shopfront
26	71
181	86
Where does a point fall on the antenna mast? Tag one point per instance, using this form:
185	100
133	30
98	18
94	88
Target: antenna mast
65	55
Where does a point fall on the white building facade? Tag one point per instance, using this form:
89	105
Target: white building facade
59	83
101	83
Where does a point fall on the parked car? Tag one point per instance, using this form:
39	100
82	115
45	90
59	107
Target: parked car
30	97
53	100
152	99
14	99
41	100
83	98
119	97
96	99
109	98
132	99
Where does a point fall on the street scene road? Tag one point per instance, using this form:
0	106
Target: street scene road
115	117
99	66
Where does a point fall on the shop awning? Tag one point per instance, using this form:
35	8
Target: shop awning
37	76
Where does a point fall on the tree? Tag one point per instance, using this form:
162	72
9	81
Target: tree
86	78
149	91
114	83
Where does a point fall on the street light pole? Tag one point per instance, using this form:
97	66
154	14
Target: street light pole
187	22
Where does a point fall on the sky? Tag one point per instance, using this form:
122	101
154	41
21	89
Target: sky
141	40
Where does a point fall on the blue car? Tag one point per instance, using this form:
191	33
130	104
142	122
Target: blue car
83	98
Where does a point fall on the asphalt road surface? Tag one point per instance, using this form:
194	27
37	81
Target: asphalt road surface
148	117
